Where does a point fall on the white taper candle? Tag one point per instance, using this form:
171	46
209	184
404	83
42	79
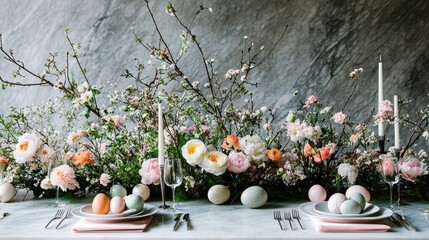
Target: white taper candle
160	136
380	96
396	114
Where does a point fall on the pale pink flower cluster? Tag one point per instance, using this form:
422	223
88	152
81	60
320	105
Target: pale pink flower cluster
75	137
64	177
232	72
354	138
411	168
104	179
311	100
331	147
354	75
385	113
116	119
298	131
339	117
46	153
238	162
292	173
27	147
150	172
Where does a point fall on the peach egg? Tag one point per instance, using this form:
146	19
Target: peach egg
101	204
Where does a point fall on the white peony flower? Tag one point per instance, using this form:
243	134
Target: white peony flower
46	184
215	162
254	148
349	171
193	151
27	147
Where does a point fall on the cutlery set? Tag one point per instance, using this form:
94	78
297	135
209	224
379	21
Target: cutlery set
400	219
288	216
178	217
61	214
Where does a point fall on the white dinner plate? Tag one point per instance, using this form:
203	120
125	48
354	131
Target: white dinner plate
322	208
87	211
308	209
148	210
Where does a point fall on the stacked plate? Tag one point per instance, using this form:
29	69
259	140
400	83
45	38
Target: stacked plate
320	211
130	214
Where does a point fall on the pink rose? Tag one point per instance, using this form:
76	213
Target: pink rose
238	162
150	172
312	99
104	179
411	168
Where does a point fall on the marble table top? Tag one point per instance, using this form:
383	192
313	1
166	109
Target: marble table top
28	218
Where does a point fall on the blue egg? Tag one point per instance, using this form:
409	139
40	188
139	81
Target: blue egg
350	207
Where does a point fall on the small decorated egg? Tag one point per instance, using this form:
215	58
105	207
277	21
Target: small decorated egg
7	192
350	207
142	190
359	189
335	201
218	194
101	204
359	198
134	201
118	190
317	193
117	205
254	197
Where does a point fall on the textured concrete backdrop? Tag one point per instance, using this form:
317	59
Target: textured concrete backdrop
324	42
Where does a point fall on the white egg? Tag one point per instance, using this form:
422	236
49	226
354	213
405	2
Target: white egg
335	201
142	190
359	189
218	194
317	193
7	192
254	197
117	204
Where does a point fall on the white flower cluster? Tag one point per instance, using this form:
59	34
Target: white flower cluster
298	131
349	171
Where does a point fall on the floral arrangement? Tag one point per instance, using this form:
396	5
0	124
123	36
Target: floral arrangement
99	137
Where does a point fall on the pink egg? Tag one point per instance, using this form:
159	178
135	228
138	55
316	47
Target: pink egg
317	193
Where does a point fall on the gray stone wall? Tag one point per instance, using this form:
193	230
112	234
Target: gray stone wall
324	41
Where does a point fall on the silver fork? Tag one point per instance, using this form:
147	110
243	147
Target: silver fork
289	218
68	215
278	217
58	215
295	215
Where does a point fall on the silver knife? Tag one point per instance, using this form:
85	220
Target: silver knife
402	218
177	217
188	221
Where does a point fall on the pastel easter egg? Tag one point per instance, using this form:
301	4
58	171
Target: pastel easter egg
142	190
350	207
254	197
134	201
359	189
101	204
118	190
117	205
7	192
218	194
317	193
335	201
359	198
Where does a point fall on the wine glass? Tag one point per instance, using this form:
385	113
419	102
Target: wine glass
390	171
173	176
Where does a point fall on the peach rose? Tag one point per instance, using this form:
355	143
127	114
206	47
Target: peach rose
274	154
3	161
82	157
231	141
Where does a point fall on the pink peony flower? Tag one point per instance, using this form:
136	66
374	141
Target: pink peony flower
312	99
64	177
411	168
238	162
104	179
339	117
150	172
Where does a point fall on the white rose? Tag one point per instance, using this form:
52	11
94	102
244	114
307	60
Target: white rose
26	148
215	162
254	148
193	151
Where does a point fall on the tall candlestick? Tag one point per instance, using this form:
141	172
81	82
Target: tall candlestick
160	136
380	96
396	114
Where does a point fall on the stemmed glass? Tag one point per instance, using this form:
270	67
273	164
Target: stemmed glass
390	172
173	176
